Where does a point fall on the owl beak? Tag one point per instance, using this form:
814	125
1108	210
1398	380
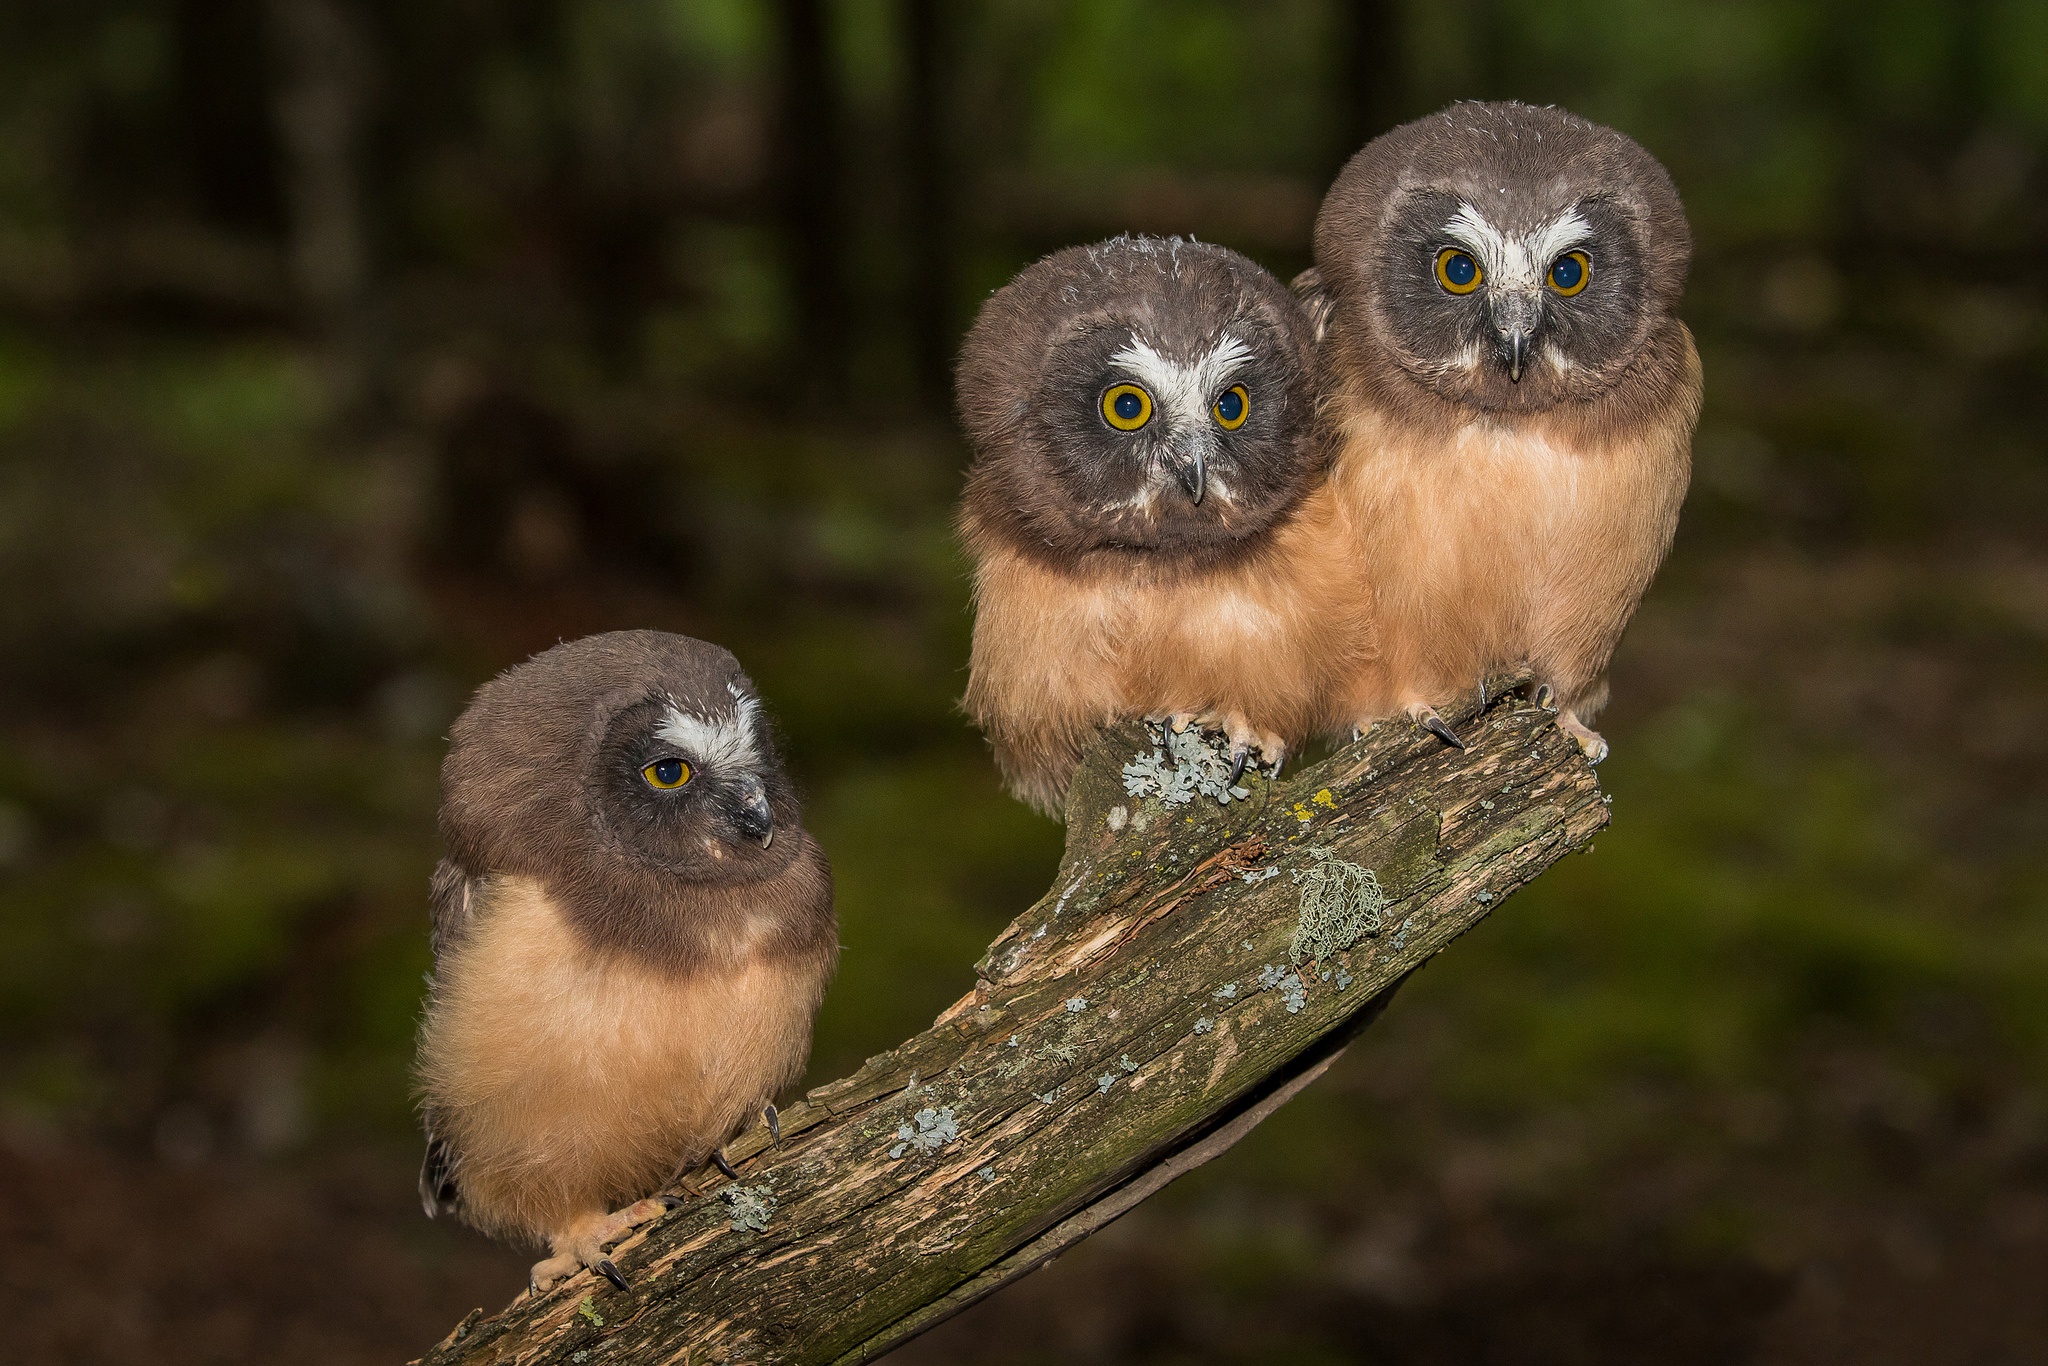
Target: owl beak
1515	318
753	816
1190	465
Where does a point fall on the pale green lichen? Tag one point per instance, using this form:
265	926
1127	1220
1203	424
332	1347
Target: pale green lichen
1105	1081
1182	764
588	1309
1341	903
750	1207
1289	984
927	1131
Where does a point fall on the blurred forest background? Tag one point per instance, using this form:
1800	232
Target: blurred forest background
352	350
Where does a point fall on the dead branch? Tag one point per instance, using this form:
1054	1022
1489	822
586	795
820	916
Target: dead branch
1193	966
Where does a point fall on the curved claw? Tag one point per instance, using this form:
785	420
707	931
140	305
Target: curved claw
1237	765
671	1201
606	1269
719	1161
774	1118
1544	696
1434	724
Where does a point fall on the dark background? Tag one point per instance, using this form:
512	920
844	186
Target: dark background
351	350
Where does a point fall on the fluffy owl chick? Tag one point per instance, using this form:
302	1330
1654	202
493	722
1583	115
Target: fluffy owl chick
632	932
1145	508
1510	395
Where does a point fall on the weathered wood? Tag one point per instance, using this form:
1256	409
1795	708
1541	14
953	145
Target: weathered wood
1146	1013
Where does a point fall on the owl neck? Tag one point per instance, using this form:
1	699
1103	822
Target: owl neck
687	927
1659	388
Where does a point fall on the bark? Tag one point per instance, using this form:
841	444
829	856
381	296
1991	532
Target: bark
1161	999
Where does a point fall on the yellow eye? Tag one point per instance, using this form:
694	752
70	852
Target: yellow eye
1126	407
1232	407
1457	271
1570	272
666	774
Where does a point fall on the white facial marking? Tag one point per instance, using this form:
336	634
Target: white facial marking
1181	390
1516	262
721	741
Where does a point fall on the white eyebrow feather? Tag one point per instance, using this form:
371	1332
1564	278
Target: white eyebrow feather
1516	262
720	741
1181	388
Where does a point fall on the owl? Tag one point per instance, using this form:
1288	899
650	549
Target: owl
632	932
1145	509
1510	399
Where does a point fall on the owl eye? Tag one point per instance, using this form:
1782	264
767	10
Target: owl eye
1232	407
1126	407
1457	271
1570	272
666	774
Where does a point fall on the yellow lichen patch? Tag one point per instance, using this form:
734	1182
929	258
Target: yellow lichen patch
1302	813
1323	798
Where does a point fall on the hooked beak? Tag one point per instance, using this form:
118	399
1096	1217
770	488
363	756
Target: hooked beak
753	817
1191	470
1515	320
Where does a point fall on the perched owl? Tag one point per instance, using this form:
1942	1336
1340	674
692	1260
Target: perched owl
1510	397
632	933
1145	508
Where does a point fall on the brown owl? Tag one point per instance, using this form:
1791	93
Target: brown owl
632	933
1146	513
1510	397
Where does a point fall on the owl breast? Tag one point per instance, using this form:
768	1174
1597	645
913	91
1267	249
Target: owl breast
1502	544
567	1079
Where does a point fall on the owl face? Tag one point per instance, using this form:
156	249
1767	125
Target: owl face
616	763
685	782
1142	395
1504	257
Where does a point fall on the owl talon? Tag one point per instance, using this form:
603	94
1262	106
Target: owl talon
1544	696
1237	762
1434	724
610	1272
774	1119
671	1202
718	1160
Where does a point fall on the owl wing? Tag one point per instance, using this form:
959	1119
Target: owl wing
452	896
1315	300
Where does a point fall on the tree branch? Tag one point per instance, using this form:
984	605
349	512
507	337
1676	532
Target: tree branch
1152	1008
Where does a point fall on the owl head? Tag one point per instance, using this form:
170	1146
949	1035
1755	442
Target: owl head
1143	395
1503	257
616	766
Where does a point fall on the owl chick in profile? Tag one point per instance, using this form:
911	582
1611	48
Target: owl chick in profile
1510	395
1144	511
632	933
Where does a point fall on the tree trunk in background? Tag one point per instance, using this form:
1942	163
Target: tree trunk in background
1372	43
925	110
322	71
1191	968
809	166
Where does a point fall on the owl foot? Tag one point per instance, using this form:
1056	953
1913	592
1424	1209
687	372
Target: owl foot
1590	742
581	1243
1424	715
1247	743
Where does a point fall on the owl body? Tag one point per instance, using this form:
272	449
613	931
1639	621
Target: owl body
1510	398
1060	651
1146	513
632	935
